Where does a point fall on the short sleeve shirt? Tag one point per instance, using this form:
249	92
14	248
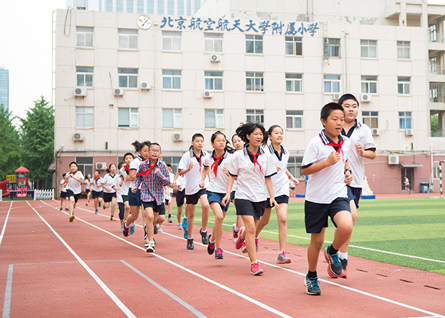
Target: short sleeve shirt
134	165
75	185
193	177
218	183
125	183
96	184
62	188
280	181
110	182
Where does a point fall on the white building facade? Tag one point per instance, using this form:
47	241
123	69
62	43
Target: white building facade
121	77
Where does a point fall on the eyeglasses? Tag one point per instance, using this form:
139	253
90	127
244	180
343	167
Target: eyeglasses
220	140
155	151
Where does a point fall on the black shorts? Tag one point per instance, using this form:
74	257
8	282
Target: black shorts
153	204
316	214
63	194
194	198
280	199
232	196
121	210
70	193
134	199
109	196
87	191
124	198
354	194
167	201
180	196
246	207
97	194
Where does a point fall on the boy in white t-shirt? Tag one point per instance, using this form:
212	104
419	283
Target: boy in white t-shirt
63	194
326	162
74	179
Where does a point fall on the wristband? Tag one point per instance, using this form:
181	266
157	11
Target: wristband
348	170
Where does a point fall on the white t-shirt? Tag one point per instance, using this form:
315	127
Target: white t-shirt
125	183
218	183
194	175
251	179
180	183
280	181
62	188
120	190
88	182
110	181
359	133
134	165
329	183
75	185
95	184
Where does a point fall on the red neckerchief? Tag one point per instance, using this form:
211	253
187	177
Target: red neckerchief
96	179
338	146
199	160
255	161
147	172
215	164
127	169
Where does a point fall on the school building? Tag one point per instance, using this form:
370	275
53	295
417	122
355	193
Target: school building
120	77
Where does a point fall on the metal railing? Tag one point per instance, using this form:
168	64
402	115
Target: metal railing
438	133
437	92
436	69
436	37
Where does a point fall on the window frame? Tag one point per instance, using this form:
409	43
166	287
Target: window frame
369	116
256	75
84	114
402	46
403	117
124	72
132	112
294	43
368	45
176	118
208	37
330	80
84	74
294	114
328	47
254	38
84	32
294	166
85	163
218	114
125	33
168	35
294	81
172	76
368	83
404	84
256	113
213	78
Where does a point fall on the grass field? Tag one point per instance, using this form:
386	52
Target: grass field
413	227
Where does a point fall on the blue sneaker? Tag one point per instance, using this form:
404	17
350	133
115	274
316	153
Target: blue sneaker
132	228
333	261
184	223
312	286
95	212
100	204
186	233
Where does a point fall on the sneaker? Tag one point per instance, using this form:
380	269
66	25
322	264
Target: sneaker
255	269
204	238
72	217
122	228
160	228
179	226
126	230
244	248
95	212
344	264
190	245
150	248
211	246
184	223
240	240
112	218
154	241
86	204
155	229
283	259
132	228
67	209
312	286
170	219
256	243
100	204
61	208
219	253
333	261
147	241
186	233
234	233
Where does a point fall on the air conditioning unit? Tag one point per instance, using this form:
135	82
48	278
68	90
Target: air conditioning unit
118	91
336	96
145	86
81	8
177	137
80	91
215	58
375	131
409	132
366	98
78	137
101	165
393	159
208	94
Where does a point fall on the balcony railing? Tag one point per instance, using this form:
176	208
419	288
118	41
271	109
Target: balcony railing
437	69
438	133
436	37
437	92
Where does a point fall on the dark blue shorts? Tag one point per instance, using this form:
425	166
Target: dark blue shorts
87	191
280	199
217	197
70	193
316	214
180	196
97	194
158	208
109	196
63	194
134	199
121	210
354	194
124	198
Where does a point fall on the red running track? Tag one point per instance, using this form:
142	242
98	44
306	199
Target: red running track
52	268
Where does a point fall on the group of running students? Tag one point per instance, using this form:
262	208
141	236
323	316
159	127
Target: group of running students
252	174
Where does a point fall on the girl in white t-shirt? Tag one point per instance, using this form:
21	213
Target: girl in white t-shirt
238	144
97	192
88	188
63	194
124	186
253	168
110	186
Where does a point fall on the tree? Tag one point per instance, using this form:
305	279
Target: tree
9	145
37	139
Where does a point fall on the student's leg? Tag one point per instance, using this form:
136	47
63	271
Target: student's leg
282	225
61	203
72	204
121	213
179	213
127	209
263	222
343	220
250	224
345	246
190	214
160	220
149	216
113	206
205	211
133	216
96	203
313	251
218	225
169	208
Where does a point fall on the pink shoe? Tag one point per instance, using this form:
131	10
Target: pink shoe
255	269
240	240
234	233
256	243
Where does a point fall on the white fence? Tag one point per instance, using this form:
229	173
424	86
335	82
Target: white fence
44	194
1	195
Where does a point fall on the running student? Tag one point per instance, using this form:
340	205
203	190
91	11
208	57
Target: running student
88	188
238	144
96	190
191	165
216	164
253	168
325	161
169	193
63	194
110	186
74	179
280	183
362	146
152	176
180	199
124	186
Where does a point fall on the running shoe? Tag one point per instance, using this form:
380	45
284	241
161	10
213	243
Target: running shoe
160	228
283	259
126	230
219	253
72	217
146	241
186	233
112	218
170	219
333	261
132	228
122	228
244	248
234	233
179	226
61	208
155	229
344	264
184	223
211	246
257	240
255	269
100	204
150	248
67	209
190	245
312	286
86	204
240	240
204	238
95	212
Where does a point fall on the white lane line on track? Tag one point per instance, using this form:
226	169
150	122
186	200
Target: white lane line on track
7	301
116	300
4	224
295	272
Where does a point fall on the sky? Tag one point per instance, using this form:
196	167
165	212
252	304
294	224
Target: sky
25	50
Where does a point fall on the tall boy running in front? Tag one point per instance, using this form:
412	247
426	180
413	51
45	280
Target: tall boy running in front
325	160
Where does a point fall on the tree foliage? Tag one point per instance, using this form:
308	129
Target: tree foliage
9	145
37	139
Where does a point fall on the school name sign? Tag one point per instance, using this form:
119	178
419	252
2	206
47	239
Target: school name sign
222	25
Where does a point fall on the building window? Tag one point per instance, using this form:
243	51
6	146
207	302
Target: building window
403	50
171	118
174	161
84	76
294	166
85	37
119	6
128	39
332	84
128	77
432	33
293	45
130	6
371	119
160	6
254	44
128	117
84	117
171	41
213	42
404	85
213	81
294	119
331	47
405	120
255	116
294	83
432	66
171	79
368	48
369	84
85	165
254	81
109	5
214	118
140	6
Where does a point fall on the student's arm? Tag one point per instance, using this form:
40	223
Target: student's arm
226	198
314	168
162	173
132	175
184	171
269	186
205	171
368	154
290	176
348	174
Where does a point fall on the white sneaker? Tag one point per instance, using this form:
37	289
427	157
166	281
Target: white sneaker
179	226
159	228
